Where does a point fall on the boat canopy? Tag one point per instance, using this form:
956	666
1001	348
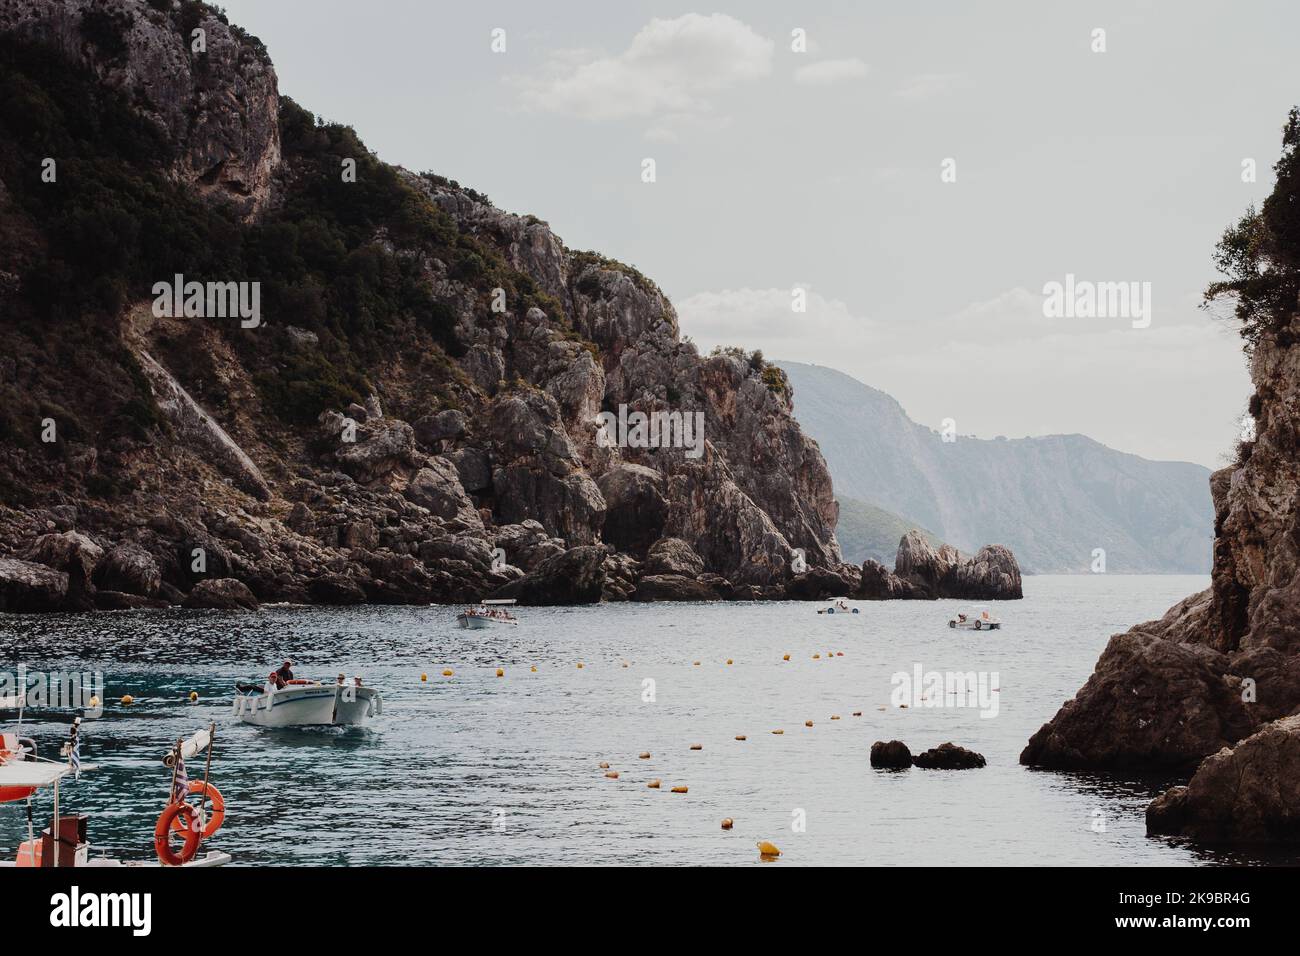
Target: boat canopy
498	601
26	773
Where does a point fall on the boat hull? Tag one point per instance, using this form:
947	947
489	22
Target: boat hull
313	705
474	622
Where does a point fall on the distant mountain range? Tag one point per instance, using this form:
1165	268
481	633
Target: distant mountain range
1052	500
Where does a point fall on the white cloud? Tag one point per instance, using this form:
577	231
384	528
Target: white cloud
670	71
926	86
829	72
999	367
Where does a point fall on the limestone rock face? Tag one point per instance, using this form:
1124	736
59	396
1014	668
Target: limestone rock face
1249	793
460	454
673	556
575	577
75	554
130	569
221	593
218	109
635	507
27	587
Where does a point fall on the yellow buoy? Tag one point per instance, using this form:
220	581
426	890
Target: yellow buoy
625	663
778	731
94	700
817	657
786	658
533	668
727	823
697	746
653	784
728	660
697	663
194	695
604	765
579	665
613	775
127	700
424	677
447	672
768	849
500	672
644	755
741	737
835	716
680	789
807	723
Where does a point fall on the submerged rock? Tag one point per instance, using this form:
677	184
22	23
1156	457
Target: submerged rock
949	757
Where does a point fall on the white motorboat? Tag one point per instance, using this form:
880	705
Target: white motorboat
487	614
977	616
839	607
307	704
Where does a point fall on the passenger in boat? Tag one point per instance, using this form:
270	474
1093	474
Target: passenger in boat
285	673
273	682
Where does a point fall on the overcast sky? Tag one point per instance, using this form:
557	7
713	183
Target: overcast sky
822	170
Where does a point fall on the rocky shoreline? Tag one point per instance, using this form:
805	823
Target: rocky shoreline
1212	689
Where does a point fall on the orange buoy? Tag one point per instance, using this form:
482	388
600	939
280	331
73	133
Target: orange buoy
835	716
500	672
778	731
612	774
423	678
786	657
741	737
680	789
727	823
184	814
447	672
766	848
579	665
218	808
857	713
644	755
697	746
697	663
817	657
653	784
604	765
729	660
807	723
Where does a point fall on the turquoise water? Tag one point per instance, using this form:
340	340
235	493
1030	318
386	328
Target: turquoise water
476	769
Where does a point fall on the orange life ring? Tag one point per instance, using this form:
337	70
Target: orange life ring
162	834
300	680
218	808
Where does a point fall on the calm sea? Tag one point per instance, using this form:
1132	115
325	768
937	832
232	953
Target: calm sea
480	769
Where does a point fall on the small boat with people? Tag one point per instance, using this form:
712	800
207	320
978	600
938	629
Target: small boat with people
286	701
488	613
65	842
977	617
840	606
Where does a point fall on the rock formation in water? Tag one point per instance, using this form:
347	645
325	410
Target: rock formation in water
923	572
411	416
1216	681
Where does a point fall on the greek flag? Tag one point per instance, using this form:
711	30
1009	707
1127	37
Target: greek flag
74	751
181	785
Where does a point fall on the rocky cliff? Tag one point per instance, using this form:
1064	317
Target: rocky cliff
412	414
1224	665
